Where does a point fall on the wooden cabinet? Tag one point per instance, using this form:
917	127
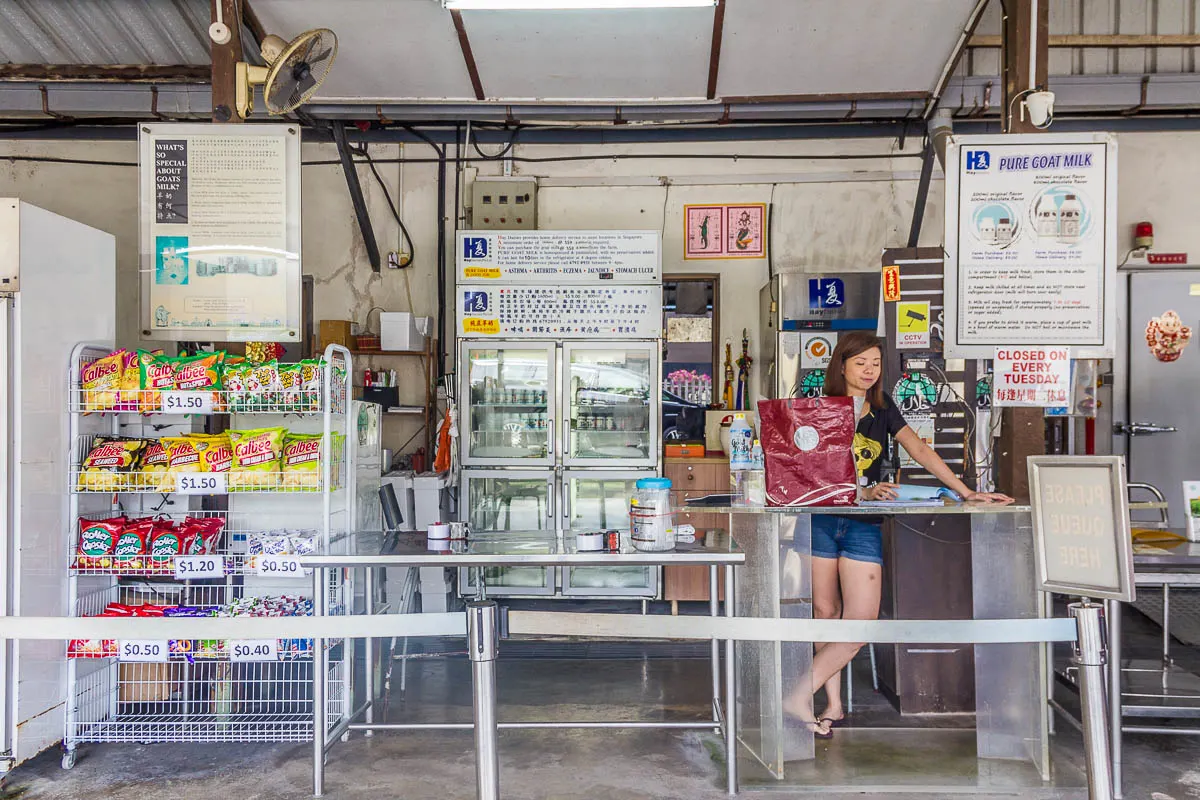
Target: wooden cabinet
694	477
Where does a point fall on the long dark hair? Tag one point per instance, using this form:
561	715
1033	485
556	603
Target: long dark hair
850	345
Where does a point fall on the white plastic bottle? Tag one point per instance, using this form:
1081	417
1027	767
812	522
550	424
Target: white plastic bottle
741	440
755	484
1047	218
1070	215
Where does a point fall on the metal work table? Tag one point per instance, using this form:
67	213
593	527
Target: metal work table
372	551
1149	689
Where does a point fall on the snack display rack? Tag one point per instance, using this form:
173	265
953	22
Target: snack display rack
208	691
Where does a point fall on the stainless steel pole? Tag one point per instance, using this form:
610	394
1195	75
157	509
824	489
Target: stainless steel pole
1090	657
369	652
1114	693
730	689
482	646
320	669
715	653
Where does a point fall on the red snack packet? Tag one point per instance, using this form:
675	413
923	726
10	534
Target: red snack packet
117	610
211	529
96	541
131	548
91	648
808	448
166	542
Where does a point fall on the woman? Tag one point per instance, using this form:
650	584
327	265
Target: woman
847	552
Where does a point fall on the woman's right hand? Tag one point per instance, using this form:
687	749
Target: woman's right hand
881	491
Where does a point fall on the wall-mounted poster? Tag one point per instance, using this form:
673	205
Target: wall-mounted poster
1031	243
220	232
725	231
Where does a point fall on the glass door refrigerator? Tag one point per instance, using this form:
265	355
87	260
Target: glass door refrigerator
559	363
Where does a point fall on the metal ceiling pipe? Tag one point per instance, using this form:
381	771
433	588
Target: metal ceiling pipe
940	126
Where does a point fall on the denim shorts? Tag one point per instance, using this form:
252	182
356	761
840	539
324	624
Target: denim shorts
846	537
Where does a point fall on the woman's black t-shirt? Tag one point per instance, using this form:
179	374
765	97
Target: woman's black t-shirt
871	438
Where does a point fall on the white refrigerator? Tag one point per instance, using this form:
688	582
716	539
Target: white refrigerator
559	368
57	288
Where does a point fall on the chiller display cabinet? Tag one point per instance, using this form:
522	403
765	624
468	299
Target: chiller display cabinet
559	363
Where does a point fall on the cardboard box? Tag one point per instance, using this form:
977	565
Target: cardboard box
400	330
335	331
712	427
148	683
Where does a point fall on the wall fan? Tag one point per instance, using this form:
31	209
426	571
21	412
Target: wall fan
294	71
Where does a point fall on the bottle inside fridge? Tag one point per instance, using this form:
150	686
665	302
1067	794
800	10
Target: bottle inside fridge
609	403
509	410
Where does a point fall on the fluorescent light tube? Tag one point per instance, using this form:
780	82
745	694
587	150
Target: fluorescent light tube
559	5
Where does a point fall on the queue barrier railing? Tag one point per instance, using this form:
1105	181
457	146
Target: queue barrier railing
482	622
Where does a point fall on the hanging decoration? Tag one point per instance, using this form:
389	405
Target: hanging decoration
1166	336
727	391
743	382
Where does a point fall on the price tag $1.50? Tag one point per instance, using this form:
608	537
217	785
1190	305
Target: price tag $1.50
201	483
254	650
280	566
146	650
178	402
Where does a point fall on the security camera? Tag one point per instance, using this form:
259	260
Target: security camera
1041	108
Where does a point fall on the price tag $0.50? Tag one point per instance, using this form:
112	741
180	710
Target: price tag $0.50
145	650
280	566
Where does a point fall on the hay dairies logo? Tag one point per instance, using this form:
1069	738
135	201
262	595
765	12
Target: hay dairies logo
475	248
978	160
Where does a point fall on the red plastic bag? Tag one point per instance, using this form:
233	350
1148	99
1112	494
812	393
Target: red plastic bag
807	444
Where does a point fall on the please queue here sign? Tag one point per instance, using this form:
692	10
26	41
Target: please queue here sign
1081	525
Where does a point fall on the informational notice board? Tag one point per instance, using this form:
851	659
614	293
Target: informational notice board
1031	243
559	257
559	312
220	231
1081	526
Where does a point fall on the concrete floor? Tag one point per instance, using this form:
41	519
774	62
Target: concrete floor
558	765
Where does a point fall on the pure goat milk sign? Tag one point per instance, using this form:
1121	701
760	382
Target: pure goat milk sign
1034	376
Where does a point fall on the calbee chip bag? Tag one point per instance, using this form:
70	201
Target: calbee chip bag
256	458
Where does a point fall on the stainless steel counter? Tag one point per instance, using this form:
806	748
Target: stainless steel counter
1011	680
514	548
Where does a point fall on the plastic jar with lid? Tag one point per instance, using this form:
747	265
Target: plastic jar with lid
650	517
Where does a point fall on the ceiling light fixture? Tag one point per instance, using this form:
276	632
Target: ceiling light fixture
561	5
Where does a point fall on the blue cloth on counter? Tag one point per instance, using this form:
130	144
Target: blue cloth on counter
907	491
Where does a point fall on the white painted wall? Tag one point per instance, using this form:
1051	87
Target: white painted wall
829	214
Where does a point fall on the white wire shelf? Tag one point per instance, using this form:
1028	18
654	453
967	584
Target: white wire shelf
201	702
291	482
145	566
222	401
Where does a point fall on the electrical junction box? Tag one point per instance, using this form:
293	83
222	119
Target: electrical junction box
504	204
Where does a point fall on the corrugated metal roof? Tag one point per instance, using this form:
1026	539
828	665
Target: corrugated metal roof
161	32
1102	18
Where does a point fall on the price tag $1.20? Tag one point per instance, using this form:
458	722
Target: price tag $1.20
197	567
